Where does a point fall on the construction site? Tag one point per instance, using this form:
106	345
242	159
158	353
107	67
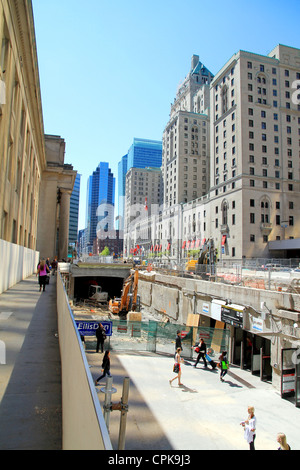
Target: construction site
254	314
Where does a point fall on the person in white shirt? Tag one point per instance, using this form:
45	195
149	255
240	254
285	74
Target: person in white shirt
249	426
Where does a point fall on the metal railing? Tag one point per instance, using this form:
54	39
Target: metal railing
256	273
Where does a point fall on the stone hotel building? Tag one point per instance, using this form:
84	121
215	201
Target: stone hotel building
255	143
230	164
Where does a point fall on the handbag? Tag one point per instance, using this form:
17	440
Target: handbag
176	368
197	349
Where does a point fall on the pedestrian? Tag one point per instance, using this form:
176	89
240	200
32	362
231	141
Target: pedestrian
101	336
281	439
42	273
201	352
177	367
178	343
105	367
224	365
249	426
54	266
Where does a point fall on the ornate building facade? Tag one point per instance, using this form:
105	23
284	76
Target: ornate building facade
231	160
28	220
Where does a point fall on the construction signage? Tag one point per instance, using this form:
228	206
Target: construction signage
88	328
232	316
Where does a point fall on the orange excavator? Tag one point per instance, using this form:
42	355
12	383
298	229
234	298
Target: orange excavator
129	300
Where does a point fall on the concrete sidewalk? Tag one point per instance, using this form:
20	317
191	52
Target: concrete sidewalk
30	381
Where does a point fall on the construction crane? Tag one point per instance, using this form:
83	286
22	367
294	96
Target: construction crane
129	300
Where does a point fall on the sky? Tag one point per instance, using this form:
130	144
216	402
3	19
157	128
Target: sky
109	71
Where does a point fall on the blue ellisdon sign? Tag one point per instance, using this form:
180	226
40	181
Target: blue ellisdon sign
88	328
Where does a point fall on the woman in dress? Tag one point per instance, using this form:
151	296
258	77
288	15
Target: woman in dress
177	364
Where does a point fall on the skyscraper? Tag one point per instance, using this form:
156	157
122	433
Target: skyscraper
122	170
185	160
144	153
100	201
231	160
74	211
254	167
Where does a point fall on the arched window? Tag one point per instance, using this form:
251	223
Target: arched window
262	88
265	210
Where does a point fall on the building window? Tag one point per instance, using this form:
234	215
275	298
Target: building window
224	209
224	99
265	210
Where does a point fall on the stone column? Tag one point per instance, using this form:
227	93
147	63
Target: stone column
64	217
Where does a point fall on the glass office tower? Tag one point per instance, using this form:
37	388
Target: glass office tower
122	170
74	210
144	153
100	201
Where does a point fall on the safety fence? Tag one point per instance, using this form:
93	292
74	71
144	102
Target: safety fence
258	276
160	337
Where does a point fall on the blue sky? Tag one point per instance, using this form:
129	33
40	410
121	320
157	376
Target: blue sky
110	70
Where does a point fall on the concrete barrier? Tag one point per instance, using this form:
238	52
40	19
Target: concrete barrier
83	424
17	263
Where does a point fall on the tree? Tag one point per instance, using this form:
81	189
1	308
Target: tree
105	252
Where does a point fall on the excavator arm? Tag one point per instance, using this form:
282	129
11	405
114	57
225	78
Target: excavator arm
121	306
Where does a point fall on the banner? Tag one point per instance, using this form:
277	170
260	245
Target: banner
88	328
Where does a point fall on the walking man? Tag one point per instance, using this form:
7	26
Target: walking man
202	353
178	343
101	336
